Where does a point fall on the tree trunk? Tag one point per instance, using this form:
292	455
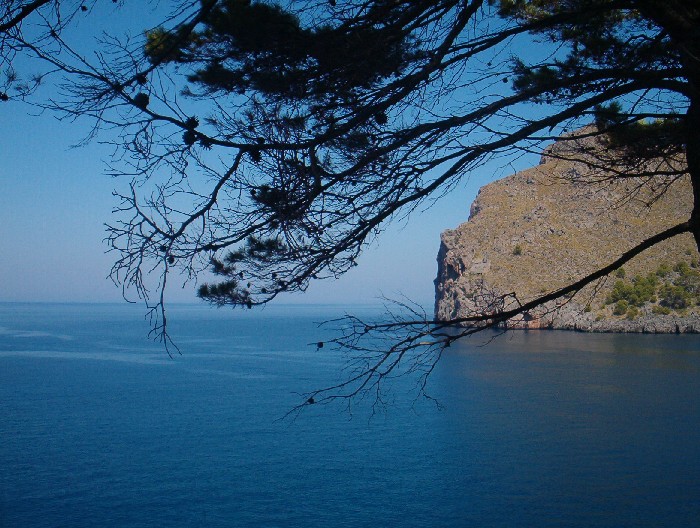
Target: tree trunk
693	157
681	19
692	152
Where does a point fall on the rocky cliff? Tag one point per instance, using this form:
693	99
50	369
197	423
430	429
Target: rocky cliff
547	226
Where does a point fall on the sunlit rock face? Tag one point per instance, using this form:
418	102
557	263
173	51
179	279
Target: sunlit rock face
545	227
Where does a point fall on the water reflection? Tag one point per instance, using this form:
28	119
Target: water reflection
594	428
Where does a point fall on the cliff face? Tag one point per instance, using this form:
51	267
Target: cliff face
545	227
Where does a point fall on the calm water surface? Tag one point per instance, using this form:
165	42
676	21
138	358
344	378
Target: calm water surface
98	427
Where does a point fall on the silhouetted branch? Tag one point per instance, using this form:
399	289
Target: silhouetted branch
269	144
401	344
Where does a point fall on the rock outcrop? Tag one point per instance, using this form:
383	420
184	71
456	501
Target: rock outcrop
550	225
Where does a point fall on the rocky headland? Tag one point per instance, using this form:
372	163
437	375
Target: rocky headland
545	227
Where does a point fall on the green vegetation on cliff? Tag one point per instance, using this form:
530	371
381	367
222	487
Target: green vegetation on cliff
666	290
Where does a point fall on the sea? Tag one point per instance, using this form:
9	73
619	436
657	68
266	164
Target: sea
99	427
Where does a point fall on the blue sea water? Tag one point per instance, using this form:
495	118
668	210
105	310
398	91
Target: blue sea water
98	427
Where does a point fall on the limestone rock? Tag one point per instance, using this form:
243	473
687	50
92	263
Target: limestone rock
542	228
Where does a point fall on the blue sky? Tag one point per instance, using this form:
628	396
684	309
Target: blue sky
56	199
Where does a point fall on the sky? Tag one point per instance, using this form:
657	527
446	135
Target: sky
56	200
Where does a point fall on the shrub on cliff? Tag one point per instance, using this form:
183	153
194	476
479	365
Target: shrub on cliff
621	307
675	297
638	292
